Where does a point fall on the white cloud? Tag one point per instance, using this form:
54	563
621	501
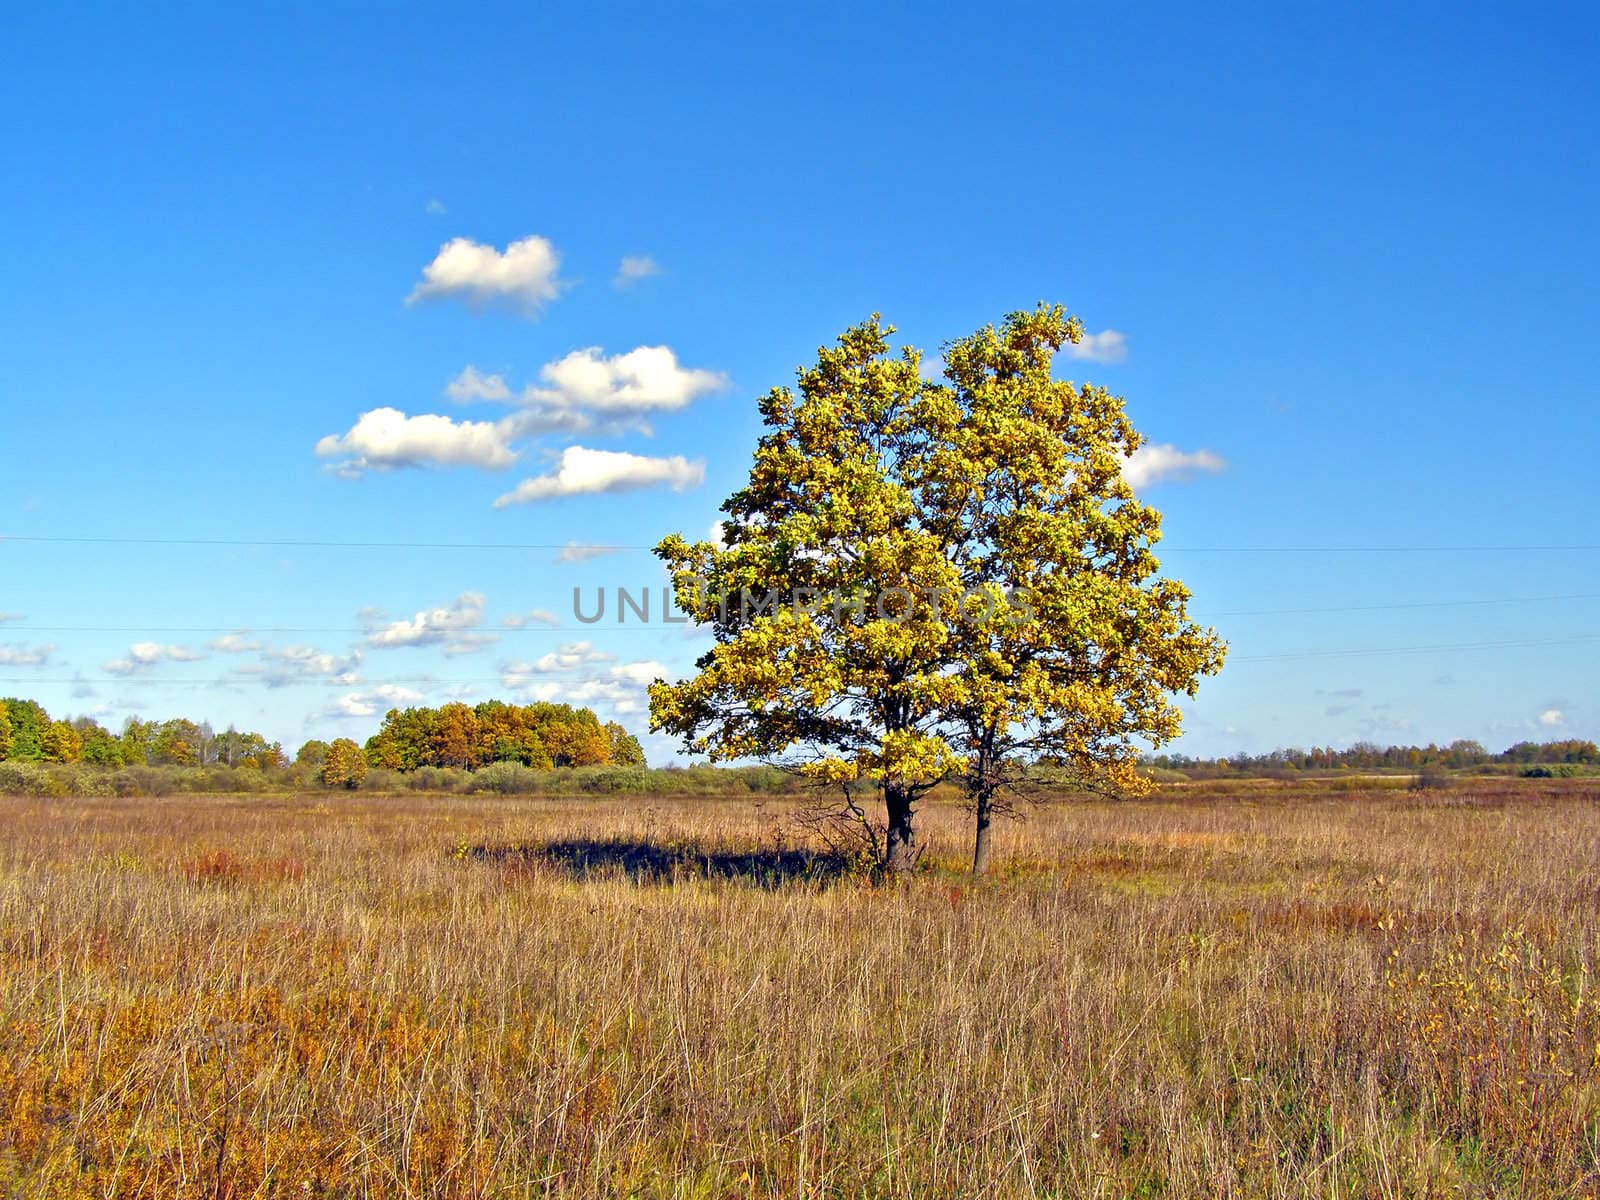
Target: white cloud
523	277
435	208
7	617
469	643
435	626
717	535
621	687
577	552
1552	718
1107	346
539	616
643	673
235	643
572	656
931	368
473	386
633	268
643	379
385	438
143	655
281	667
583	472
367	703
26	656
1152	463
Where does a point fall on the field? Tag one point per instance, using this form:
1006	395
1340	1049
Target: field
1262	991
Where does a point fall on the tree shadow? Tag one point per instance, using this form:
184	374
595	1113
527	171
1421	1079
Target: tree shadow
649	863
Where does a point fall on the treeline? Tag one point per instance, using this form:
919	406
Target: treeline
433	748
29	734
1458	755
539	736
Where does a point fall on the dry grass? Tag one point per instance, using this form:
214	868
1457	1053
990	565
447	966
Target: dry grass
1263	993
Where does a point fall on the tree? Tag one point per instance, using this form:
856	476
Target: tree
101	747
176	743
136	738
234	749
405	742
625	748
313	754
62	743
345	765
28	724
455	737
1020	478
929	579
572	737
825	657
5	732
265	755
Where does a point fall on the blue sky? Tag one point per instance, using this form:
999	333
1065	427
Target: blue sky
1349	257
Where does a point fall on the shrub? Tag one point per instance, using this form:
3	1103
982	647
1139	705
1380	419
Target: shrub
437	779
1433	778
614	779
28	779
147	781
381	779
507	778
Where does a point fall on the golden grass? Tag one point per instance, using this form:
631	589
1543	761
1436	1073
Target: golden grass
1262	992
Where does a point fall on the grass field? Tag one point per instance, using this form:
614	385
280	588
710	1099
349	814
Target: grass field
1268	991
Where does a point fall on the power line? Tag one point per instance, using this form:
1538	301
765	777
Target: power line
535	676
598	627
1384	650
252	630
1372	549
309	544
1282	612
277	682
317	544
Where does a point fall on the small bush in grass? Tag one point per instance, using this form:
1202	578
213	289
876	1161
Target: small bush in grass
1433	778
438	779
611	780
507	778
28	779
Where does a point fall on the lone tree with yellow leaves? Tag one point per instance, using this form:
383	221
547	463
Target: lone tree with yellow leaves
1020	478
927	580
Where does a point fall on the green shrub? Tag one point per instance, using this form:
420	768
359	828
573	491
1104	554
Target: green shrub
28	779
613	779
507	778
1433	778
148	781
437	779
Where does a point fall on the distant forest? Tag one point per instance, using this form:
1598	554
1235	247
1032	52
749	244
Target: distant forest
1459	756
537	736
517	743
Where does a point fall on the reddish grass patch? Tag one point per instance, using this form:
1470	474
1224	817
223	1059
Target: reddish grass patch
225	867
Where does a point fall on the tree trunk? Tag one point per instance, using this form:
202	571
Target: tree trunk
980	843
900	847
